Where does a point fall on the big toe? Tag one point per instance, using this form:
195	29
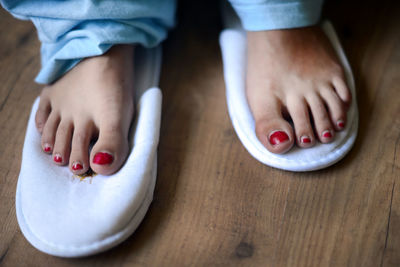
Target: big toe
275	134
109	152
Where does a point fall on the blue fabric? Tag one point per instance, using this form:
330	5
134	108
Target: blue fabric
71	30
258	15
74	29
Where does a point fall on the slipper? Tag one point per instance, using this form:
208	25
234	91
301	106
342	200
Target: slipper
69	216
234	54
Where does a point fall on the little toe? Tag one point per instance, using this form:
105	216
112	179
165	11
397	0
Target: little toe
49	132
42	113
298	111
110	151
62	145
79	158
322	122
336	108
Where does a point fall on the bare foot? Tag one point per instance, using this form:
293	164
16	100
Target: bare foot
93	100
295	73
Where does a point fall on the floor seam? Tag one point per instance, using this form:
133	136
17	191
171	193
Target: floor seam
388	225
282	221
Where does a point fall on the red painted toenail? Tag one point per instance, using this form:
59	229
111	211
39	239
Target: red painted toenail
47	148
340	123
77	166
327	134
278	137
305	140
57	159
102	158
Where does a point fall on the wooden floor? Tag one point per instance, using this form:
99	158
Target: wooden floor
214	205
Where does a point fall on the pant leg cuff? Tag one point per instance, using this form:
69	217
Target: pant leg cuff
261	16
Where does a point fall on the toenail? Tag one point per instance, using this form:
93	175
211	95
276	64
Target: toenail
77	166
47	148
278	137
305	139
57	158
102	158
340	124
327	134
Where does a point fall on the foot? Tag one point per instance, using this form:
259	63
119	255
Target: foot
295	74
94	100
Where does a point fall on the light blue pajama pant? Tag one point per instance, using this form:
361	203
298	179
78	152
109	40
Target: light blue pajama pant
75	29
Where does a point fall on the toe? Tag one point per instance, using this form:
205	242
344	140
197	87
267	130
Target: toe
298	111
322	123
336	108
62	144
49	132
342	89
274	133
42	113
79	158
110	150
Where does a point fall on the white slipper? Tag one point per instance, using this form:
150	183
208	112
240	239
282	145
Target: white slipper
234	53
66	216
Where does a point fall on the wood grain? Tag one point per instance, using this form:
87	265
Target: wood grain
214	204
